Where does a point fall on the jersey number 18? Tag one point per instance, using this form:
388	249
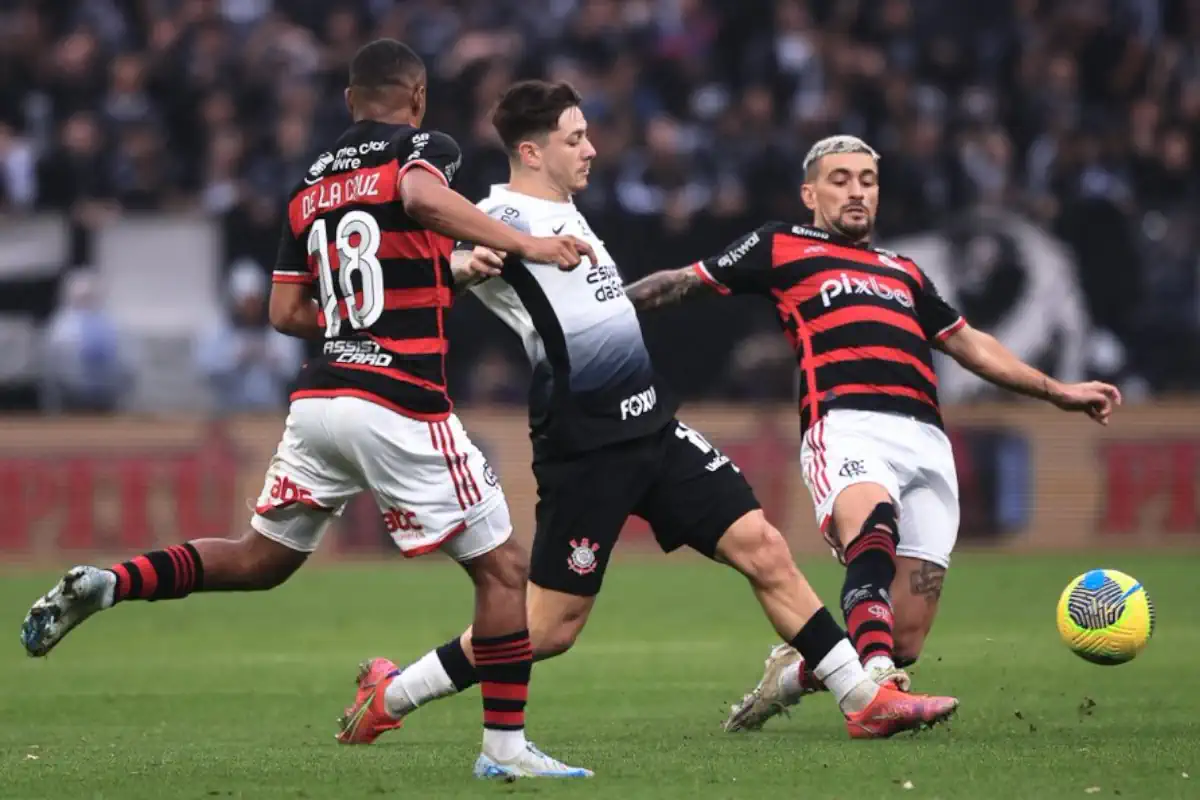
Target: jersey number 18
357	240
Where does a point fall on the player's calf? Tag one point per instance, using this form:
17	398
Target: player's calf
249	563
502	652
500	643
916	592
555	620
870	557
909	641
758	550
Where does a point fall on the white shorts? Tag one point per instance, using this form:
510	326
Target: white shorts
433	486
911	459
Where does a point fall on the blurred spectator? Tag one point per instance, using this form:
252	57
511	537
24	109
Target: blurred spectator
84	369
18	178
496	379
759	369
1083	115
247	363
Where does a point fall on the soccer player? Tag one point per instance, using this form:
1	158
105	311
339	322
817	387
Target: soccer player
874	456
368	235
607	445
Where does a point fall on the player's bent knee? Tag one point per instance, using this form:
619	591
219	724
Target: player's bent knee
859	508
758	550
883	517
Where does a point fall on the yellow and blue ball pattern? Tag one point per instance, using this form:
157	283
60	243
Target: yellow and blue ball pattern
1105	616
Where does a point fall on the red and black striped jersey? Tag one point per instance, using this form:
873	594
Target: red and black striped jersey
862	320
384	282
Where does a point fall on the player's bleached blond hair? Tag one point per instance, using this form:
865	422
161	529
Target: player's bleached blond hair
831	145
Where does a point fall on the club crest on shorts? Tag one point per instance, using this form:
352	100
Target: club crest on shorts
583	557
489	474
852	468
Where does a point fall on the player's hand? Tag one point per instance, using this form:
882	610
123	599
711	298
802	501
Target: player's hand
565	251
1098	400
484	263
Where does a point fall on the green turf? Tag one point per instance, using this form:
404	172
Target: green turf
236	696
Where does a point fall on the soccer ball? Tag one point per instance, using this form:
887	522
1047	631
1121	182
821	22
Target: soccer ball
1105	617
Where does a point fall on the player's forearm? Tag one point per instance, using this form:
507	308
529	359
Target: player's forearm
447	212
663	288
985	356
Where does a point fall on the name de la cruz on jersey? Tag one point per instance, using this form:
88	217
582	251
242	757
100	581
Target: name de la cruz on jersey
337	192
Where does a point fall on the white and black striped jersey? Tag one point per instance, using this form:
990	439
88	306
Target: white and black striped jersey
593	380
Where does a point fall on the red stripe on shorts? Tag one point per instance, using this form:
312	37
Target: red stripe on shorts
469	484
435	436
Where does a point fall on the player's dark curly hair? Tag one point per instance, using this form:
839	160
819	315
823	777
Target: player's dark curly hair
532	108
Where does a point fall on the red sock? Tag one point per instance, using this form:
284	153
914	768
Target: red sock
870	569
504	664
160	575
870	624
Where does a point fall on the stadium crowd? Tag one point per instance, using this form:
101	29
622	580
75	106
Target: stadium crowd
1079	115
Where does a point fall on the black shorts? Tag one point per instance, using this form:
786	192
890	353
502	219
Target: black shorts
674	479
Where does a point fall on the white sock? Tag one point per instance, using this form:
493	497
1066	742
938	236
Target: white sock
845	678
110	588
417	684
503	746
789	681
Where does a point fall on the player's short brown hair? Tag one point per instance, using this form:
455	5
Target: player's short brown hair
532	108
831	145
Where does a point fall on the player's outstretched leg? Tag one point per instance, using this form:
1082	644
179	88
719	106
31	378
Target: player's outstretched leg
756	549
249	563
503	653
866	524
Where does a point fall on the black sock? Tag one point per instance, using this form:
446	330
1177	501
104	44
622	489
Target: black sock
457	665
818	636
870	569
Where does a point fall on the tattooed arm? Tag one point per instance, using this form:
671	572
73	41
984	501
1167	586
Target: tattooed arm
666	288
740	269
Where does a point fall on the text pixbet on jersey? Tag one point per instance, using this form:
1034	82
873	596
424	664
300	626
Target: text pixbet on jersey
832	287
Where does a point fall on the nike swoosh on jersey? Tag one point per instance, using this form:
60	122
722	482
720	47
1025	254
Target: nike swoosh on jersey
559	229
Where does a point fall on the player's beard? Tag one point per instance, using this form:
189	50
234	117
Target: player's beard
855	231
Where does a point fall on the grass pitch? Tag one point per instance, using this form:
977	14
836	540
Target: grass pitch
236	696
